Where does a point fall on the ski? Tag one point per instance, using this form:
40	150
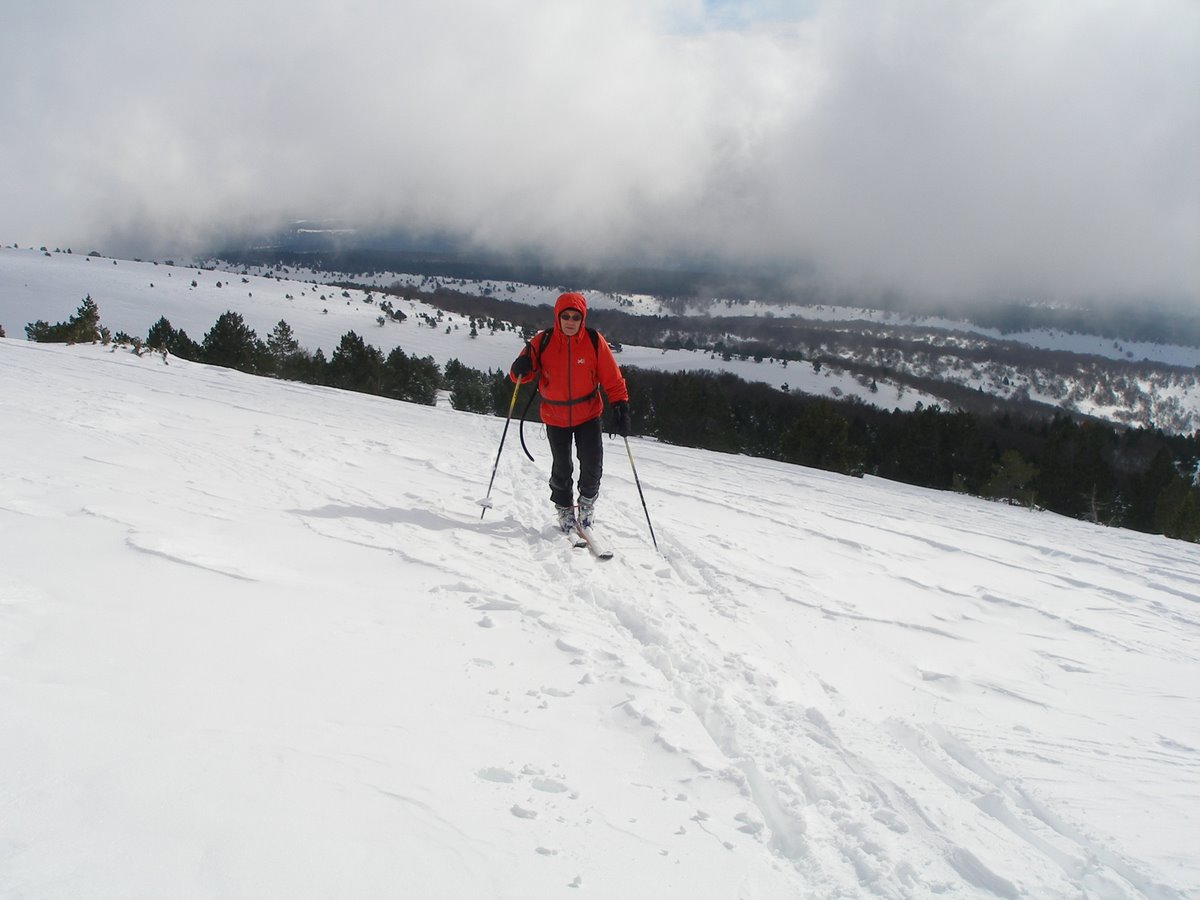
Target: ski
599	549
571	534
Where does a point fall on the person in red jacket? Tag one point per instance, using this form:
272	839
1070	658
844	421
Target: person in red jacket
571	363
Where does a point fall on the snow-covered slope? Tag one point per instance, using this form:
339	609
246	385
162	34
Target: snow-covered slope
1130	383
648	305
133	295
256	641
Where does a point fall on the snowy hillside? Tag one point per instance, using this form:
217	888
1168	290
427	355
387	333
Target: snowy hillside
133	295
256	641
910	358
647	305
883	360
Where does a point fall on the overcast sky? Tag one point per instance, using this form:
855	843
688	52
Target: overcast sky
943	148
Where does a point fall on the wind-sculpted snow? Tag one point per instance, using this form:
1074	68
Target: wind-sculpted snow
256	640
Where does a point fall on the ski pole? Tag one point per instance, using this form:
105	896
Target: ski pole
638	482
486	502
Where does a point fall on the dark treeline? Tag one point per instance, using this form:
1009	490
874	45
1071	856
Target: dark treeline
870	350
1134	478
354	365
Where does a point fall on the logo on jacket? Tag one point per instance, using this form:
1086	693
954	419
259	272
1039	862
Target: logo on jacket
581	361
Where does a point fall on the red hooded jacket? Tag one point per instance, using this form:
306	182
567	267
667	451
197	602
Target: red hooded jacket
570	370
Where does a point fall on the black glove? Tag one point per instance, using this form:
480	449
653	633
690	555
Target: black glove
522	365
620	412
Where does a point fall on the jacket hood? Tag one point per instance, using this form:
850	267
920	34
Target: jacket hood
572	300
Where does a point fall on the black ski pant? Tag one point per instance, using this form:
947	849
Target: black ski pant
589	446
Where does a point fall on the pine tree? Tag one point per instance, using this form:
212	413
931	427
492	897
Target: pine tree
356	366
1012	479
83	327
233	344
289	360
409	378
469	388
820	438
281	342
1177	510
162	336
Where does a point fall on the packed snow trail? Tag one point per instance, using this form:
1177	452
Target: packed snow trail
782	734
289	658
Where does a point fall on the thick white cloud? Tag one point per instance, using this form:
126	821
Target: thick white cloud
938	147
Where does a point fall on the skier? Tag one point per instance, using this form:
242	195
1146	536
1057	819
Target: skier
572	363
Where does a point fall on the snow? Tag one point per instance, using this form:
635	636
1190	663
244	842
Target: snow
646	305
285	656
257	641
133	295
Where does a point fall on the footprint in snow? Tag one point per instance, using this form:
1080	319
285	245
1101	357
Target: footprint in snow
497	775
549	786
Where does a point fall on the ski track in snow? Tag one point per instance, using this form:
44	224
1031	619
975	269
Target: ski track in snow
773	768
821	687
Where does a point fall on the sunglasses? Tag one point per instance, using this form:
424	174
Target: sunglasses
571	317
